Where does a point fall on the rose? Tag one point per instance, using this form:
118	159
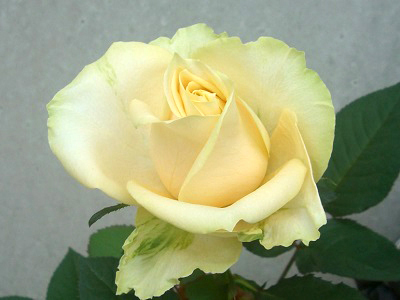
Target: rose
221	140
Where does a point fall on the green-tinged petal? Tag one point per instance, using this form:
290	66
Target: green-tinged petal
89	129
249	232
288	225
301	217
189	39
157	254
270	76
252	208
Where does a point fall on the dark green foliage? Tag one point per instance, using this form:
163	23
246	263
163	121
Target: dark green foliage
78	277
348	249
65	279
211	286
108	241
366	158
15	298
101	213
256	248
310	288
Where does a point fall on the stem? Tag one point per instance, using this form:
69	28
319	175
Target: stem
289	265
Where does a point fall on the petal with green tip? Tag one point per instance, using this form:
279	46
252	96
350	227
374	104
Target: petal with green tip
157	254
189	39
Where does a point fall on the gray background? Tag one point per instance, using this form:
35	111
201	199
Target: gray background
353	45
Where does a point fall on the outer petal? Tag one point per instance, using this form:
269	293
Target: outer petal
89	130
271	77
252	208
301	217
156	254
288	225
187	40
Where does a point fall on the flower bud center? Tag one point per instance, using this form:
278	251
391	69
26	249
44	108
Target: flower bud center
194	89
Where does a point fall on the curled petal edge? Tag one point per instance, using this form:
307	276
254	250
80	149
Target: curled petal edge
252	208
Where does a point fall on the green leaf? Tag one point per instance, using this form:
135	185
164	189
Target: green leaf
310	288
196	274
101	213
376	290
247	285
211	286
64	282
365	160
108	241
348	249
15	298
256	248
168	295
78	277
97	279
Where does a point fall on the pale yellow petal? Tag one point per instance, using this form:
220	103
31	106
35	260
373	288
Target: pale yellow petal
184	72
188	39
136	71
140	113
288	225
271	77
255	207
301	217
231	165
175	145
286	144
89	129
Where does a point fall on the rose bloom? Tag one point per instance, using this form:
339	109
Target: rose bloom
216	141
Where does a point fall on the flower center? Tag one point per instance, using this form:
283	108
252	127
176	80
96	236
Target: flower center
192	88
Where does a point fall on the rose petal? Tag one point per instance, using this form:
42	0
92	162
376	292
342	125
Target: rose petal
89	130
288	225
232	164
188	39
301	217
270	77
182	71
157	254
202	219
175	145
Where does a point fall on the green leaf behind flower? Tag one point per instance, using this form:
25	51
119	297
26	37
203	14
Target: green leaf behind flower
310	288
101	213
211	286
348	249
78	277
365	160
64	282
109	241
87	278
97	279
256	248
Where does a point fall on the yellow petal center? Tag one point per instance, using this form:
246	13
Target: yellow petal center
194	89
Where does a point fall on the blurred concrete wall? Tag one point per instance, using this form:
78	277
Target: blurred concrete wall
353	45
